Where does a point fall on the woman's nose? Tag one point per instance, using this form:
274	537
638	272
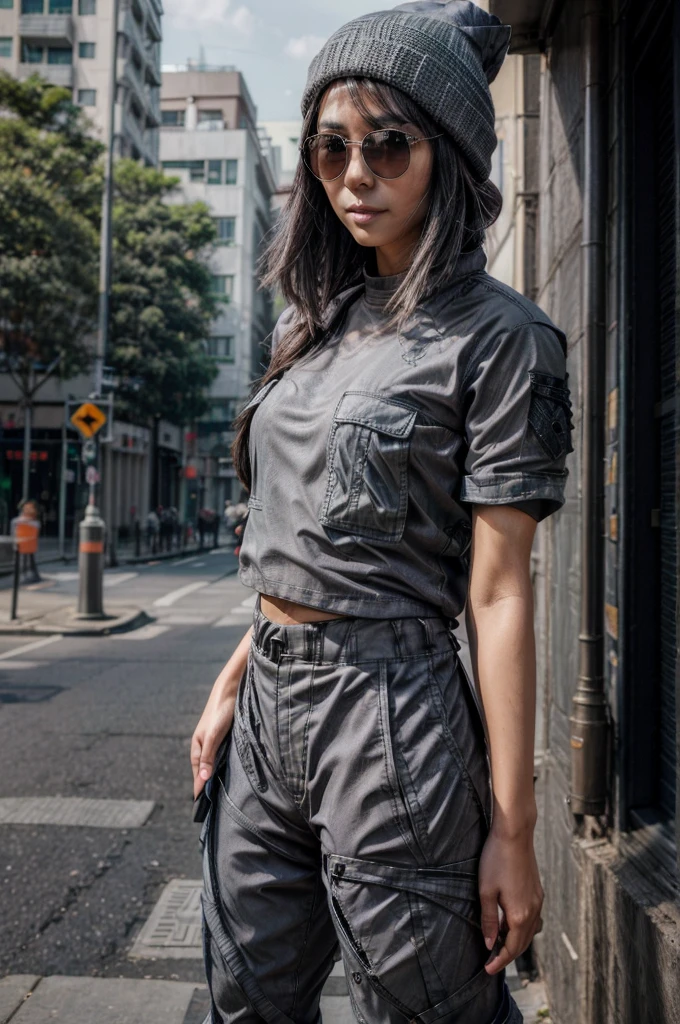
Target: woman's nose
356	171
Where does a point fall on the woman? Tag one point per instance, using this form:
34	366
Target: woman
410	431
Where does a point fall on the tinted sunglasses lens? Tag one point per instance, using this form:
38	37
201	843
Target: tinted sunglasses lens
326	156
387	153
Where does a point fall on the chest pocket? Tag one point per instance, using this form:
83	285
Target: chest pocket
368	455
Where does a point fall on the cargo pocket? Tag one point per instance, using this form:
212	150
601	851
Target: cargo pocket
550	413
409	936
368	452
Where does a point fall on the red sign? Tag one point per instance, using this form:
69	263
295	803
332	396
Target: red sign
191	472
17	456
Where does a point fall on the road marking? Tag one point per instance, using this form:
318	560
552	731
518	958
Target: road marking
7	666
228	620
30	647
120	577
81	811
199	565
219	551
185	561
149	632
177	595
173	930
184	620
61	577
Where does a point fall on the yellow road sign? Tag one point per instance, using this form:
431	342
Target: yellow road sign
89	419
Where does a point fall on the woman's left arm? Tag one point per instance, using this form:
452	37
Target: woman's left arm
500	625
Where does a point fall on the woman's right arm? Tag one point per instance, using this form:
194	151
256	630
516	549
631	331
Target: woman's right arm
215	722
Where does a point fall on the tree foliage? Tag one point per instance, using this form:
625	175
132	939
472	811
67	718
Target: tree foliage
162	303
50	200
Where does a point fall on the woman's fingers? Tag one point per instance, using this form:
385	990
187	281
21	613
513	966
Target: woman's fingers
489	901
517	940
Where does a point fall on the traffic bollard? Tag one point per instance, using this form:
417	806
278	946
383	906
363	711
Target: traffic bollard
91	566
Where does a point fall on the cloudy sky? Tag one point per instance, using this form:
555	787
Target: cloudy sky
270	41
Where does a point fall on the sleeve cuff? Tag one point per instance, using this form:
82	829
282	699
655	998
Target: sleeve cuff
513	488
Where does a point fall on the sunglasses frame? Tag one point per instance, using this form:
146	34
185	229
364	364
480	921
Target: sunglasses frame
411	140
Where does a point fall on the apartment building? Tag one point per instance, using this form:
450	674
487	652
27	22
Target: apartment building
210	141
69	43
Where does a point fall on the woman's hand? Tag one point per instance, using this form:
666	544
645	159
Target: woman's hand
215	722
213	726
508	877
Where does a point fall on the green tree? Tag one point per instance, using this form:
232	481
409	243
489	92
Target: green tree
50	201
161	302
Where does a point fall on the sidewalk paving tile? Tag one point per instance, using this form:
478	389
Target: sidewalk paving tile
13	991
106	1001
81	811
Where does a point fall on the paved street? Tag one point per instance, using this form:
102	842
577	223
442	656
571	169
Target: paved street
98	854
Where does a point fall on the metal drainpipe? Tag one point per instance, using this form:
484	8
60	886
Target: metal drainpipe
590	712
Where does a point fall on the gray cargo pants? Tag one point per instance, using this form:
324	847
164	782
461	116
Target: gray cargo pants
351	807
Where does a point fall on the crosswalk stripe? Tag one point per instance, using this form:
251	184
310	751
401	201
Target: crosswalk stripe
176	595
31	647
119	577
149	632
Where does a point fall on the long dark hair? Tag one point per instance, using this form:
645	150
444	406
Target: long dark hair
312	256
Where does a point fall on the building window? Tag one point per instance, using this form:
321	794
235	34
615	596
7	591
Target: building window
60	7
6	5
32	6
243	121
173	118
209	115
31	54
196	168
59	55
232	172
226	230
214	172
5	46
224	410
87	6
87	97
222	348
86	50
223	285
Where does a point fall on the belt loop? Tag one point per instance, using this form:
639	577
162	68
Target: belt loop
277	645
450	629
429	645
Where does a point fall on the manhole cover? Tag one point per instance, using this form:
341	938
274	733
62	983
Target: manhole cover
173	930
90	813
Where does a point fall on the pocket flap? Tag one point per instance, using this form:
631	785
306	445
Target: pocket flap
381	414
447	883
259	395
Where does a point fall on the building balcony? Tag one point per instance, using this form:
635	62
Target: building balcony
55	74
46	26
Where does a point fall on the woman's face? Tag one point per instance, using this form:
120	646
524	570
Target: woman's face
400	204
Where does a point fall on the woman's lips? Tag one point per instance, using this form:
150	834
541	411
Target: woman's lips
364	216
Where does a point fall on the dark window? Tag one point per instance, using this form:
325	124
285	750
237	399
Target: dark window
6	5
5	46
226	230
222	348
196	168
209	115
215	172
59	55
232	172
173	118
86	50
60	6
87	6
223	284
32	6
31	54
87	97
649	634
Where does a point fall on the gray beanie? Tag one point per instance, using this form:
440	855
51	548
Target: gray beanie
442	53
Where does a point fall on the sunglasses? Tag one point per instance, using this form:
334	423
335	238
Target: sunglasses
386	153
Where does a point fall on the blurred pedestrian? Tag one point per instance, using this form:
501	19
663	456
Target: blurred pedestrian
152	528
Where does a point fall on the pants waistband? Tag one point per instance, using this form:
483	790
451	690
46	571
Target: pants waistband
352	640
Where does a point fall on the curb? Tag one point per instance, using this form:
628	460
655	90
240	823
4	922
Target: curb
125	623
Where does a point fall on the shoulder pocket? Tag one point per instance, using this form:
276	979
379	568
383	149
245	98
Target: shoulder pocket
368	450
550	413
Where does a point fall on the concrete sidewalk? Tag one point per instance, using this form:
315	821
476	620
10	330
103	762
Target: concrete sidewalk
40	611
28	999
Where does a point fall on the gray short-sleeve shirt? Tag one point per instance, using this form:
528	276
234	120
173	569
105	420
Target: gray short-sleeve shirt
368	454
